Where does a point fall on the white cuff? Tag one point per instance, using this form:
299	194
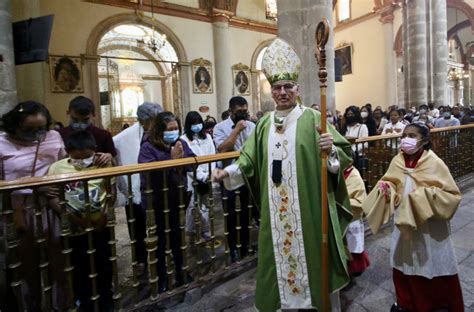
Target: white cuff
235	178
333	161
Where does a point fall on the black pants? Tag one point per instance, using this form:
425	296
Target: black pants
175	241
232	219
140	232
81	281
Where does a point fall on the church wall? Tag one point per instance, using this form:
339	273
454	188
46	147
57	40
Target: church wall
252	9
366	84
73	24
188	3
244	43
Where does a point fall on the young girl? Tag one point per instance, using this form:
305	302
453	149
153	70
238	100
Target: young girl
163	144
421	193
201	144
355	232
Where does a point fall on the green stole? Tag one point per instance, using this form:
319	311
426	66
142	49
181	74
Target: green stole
253	162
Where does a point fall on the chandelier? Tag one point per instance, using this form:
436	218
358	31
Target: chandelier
152	42
456	74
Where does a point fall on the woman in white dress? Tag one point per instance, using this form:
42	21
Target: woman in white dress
394	126
201	144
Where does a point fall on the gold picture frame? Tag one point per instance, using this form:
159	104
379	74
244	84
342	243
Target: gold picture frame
241	79
202	76
66	74
344	53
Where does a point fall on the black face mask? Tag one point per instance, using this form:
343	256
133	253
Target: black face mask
240	116
351	119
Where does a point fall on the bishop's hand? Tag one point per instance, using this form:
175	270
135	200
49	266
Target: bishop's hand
325	142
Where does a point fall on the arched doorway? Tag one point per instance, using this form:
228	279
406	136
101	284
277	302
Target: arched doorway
132	59
262	97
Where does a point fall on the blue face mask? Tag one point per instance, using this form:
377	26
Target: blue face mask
77	126
170	136
196	128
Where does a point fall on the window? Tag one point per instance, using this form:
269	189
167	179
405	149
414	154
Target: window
343	10
271	9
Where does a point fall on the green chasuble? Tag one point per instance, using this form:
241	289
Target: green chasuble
290	239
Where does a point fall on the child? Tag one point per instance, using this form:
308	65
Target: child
355	232
420	191
80	146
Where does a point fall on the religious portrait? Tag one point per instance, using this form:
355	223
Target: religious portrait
344	53
202	76
241	79
241	82
66	74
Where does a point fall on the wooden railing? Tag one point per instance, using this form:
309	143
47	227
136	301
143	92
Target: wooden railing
454	145
203	260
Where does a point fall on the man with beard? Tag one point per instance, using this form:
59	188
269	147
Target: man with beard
230	135
281	162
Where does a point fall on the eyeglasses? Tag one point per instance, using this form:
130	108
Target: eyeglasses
287	87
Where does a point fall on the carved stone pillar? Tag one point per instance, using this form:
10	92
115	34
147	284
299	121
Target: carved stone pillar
390	62
222	57
297	21
7	60
439	52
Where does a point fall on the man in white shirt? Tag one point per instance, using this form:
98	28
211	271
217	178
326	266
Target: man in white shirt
127	144
434	112
447	120
230	135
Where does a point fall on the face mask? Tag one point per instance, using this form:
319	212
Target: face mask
364	114
447	115
330	119
170	136
351	119
409	146
82	163
31	136
241	116
196	128
77	126
422	111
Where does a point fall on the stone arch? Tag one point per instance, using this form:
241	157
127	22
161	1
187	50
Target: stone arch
463	7
166	96
256	96
130	18
398	44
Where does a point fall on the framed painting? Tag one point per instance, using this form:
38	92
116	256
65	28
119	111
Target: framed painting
241	79
66	74
202	76
344	53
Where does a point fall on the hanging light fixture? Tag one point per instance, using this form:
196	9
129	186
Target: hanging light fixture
152	42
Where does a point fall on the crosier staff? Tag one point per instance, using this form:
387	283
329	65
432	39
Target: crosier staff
322	35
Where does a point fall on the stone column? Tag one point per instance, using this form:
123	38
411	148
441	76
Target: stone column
416	52
439	52
7	60
297	21
390	63
222	57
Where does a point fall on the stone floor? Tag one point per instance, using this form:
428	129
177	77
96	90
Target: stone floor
373	291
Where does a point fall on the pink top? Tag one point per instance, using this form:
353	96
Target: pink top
17	157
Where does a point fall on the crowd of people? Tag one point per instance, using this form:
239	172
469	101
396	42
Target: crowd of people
278	172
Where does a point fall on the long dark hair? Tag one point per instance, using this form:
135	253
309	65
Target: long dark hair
192	118
13	119
369	121
355	110
425	133
159	126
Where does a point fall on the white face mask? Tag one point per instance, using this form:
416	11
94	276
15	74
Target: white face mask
364	114
82	163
